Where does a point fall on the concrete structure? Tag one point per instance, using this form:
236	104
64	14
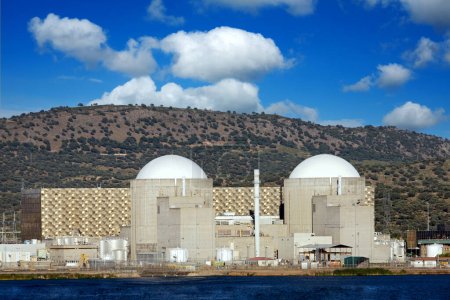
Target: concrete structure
99	212
320	175
72	254
171	206
92	212
184	222
13	253
347	219
386	249
239	200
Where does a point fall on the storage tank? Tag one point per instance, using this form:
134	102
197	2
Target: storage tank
102	249
117	244
178	255
434	250
224	254
119	255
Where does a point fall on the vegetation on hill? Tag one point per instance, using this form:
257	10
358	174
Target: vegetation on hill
107	145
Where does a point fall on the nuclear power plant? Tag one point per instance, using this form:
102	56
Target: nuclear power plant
322	215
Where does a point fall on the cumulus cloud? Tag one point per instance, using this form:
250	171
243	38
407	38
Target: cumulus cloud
223	52
227	94
290	109
157	12
86	41
294	7
413	116
344	122
389	76
211	56
363	85
77	38
392	76
426	52
432	12
135	60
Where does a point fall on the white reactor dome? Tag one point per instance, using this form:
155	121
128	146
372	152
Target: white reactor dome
324	166
171	167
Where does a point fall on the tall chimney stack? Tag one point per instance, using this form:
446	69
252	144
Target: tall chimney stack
256	182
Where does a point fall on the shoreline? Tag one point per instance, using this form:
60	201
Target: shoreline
146	273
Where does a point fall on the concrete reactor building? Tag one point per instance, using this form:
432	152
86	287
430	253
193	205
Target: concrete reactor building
172	207
325	195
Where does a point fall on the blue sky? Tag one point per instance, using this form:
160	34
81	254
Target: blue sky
353	62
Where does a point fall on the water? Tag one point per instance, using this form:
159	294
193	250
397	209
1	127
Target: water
370	287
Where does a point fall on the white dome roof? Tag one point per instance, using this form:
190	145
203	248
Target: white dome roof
170	167
324	166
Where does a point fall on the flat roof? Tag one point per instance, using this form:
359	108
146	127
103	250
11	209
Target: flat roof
323	246
434	241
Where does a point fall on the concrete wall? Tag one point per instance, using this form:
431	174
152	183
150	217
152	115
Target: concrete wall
144	210
11	253
62	254
245	246
298	193
186	224
347	220
93	212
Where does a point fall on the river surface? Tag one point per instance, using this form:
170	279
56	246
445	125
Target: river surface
353	287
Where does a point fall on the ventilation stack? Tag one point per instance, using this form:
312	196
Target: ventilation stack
256	182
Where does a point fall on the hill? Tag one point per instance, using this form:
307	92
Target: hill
107	145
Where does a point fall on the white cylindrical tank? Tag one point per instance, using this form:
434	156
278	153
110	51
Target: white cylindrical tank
120	255
116	244
102	249
434	250
224	254
178	255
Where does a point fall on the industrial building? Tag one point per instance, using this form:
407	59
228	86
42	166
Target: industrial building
172	212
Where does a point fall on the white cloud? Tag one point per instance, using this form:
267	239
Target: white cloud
425	53
136	60
86	41
290	109
68	77
77	38
432	12
364	84
392	76
157	12
413	116
447	51
227	94
294	7
344	122
223	52
389	76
